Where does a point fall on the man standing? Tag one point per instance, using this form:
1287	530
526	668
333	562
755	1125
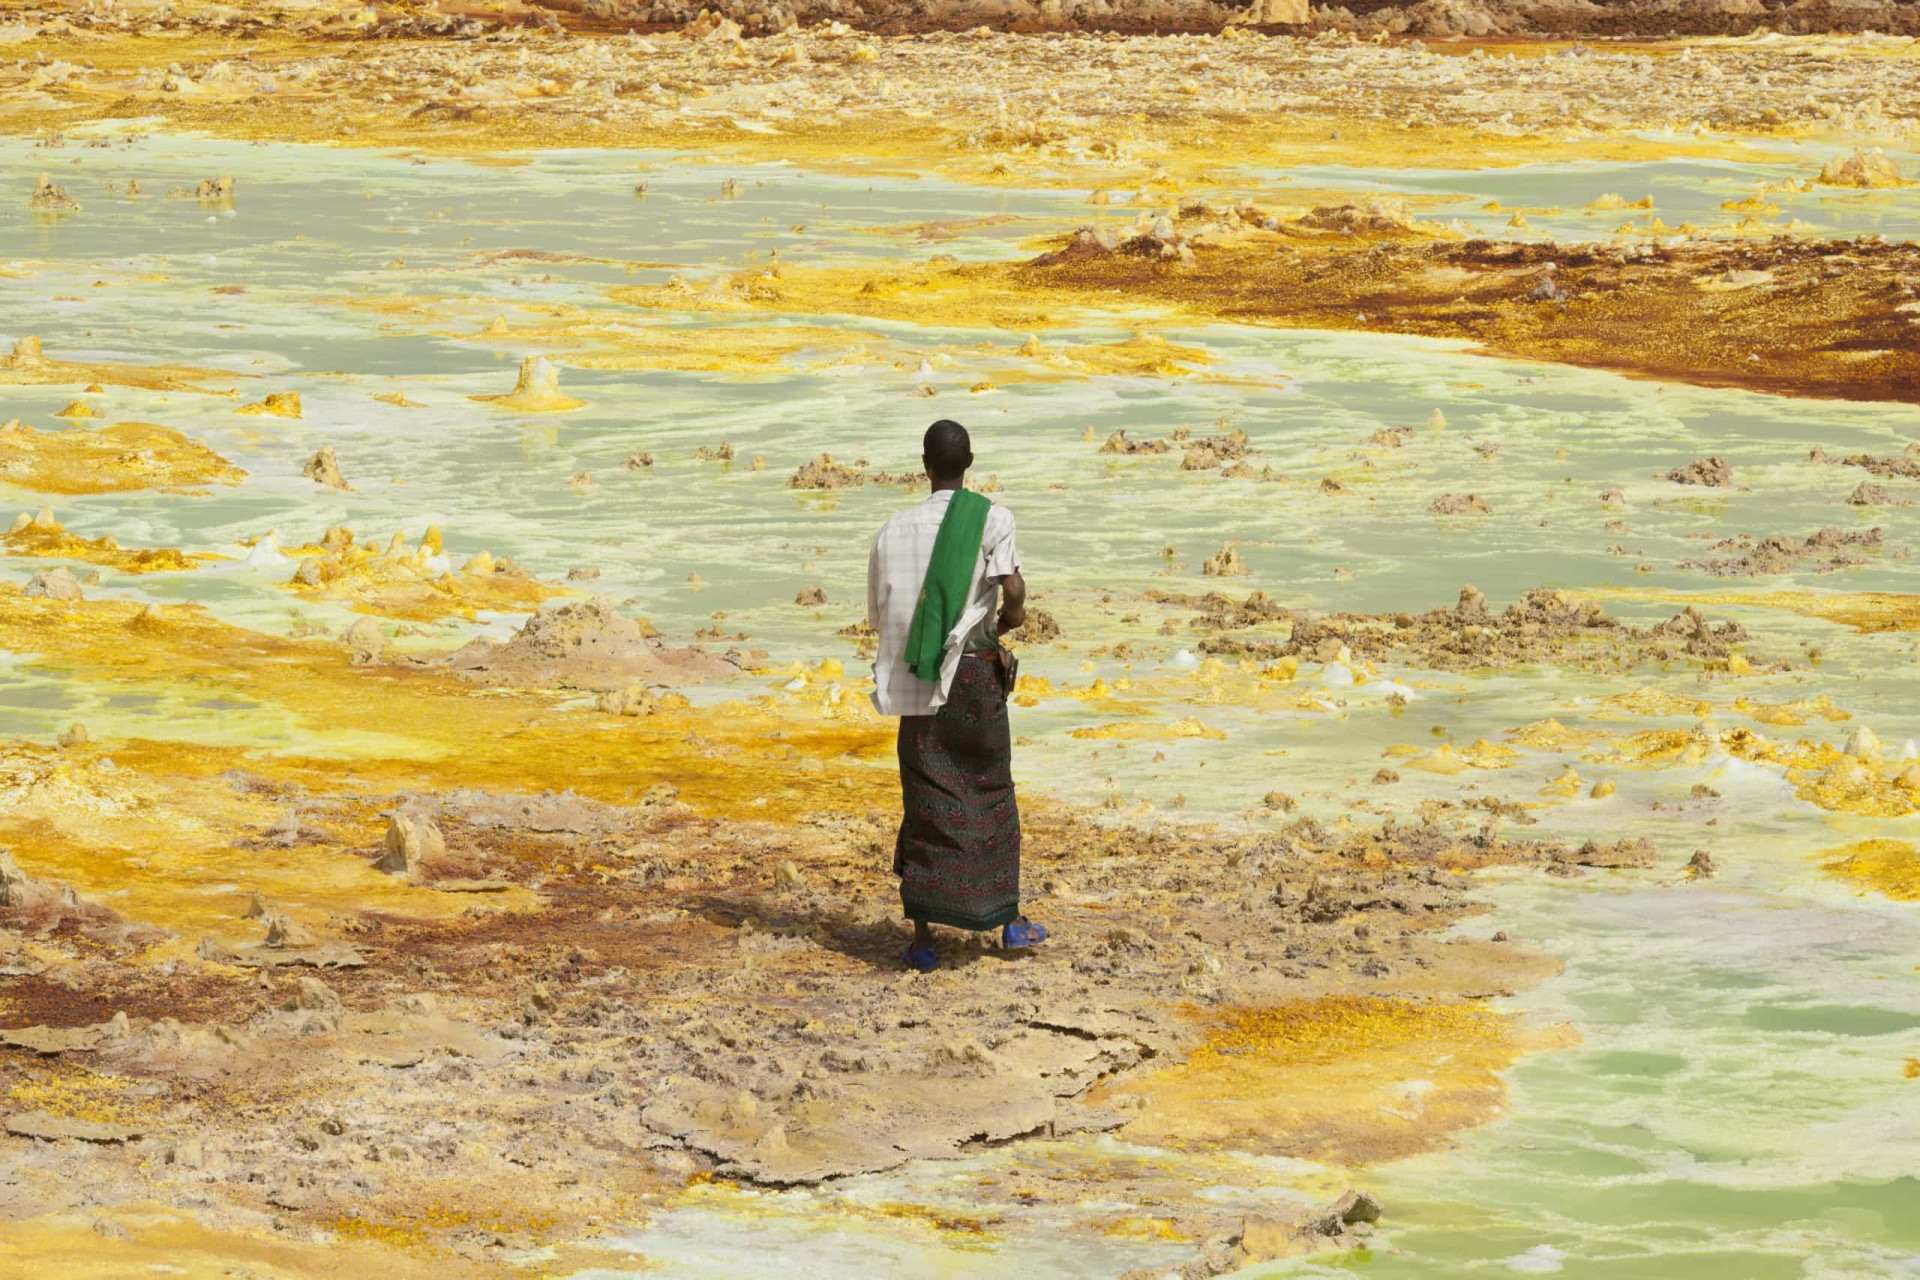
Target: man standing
943	584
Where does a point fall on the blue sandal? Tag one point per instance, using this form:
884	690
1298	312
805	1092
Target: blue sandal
924	959
1022	933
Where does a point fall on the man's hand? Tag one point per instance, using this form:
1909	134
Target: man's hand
1013	602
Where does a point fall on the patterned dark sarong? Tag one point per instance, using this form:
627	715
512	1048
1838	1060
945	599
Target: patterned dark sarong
958	853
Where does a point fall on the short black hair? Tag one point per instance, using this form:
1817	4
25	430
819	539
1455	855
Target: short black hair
947	450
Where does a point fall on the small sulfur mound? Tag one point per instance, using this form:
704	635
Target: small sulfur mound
281	404
26	354
1861	169
537	390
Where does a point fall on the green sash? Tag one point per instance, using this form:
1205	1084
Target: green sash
945	593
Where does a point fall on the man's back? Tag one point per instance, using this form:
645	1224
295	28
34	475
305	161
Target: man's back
895	572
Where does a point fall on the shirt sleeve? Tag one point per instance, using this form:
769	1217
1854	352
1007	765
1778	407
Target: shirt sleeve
1002	554
874	602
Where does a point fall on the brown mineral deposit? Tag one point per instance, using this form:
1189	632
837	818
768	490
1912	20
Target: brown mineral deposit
823	472
1869	494
1225	563
1714	472
50	198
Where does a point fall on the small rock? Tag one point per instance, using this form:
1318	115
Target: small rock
810	597
364	638
74	735
324	468
1863	744
1701	865
284	932
1351	1208
1225	563
411	840
313	994
53	584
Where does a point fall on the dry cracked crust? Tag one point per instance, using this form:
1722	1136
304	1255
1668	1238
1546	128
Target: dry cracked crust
698	995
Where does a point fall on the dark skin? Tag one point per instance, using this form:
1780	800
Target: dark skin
1013	612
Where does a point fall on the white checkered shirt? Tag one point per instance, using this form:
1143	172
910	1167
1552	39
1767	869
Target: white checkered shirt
895	573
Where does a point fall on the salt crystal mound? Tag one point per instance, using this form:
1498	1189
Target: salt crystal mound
537	391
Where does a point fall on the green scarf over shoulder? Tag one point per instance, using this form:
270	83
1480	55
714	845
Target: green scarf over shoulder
945	593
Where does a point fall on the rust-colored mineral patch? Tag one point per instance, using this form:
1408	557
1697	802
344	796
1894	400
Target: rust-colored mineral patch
1808	318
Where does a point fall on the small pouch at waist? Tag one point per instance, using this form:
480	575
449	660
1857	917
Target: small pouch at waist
1008	665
